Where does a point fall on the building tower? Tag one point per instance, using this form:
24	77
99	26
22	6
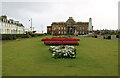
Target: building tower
90	25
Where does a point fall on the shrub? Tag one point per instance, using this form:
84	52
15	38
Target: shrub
109	37
117	36
33	35
15	36
95	36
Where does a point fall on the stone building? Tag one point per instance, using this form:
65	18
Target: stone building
9	26
70	27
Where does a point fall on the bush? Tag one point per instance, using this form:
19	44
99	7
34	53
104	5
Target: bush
8	37
117	36
15	36
33	35
39	34
80	34
95	36
104	37
109	37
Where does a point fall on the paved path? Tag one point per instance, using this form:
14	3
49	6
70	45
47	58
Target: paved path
101	37
112	37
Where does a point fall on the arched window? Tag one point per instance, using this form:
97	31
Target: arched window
80	28
54	28
64	32
64	28
59	28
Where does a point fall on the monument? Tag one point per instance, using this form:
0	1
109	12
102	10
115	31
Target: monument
90	26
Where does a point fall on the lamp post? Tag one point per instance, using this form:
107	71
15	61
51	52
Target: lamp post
33	28
42	29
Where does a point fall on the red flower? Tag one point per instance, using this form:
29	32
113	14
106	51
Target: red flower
62	42
60	39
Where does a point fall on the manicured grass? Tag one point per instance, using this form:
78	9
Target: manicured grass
30	57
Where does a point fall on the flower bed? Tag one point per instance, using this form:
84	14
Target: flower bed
61	42
56	35
60	39
63	51
100	34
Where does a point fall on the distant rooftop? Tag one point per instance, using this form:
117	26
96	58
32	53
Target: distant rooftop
70	20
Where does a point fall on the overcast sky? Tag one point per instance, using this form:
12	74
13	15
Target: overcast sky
104	13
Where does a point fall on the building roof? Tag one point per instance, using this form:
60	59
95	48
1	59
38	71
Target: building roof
3	18
48	26
70	20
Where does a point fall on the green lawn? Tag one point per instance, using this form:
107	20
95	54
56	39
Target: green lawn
30	57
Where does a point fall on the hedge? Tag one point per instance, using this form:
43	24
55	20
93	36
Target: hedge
117	36
15	36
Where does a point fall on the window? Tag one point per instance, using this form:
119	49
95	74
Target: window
80	28
59	28
2	20
83	32
83	28
80	32
4	24
64	28
62	32
7	25
5	30
54	28
76	28
2	31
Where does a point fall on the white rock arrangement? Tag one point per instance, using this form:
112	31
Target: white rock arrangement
63	51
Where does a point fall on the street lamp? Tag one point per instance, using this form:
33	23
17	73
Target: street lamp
42	29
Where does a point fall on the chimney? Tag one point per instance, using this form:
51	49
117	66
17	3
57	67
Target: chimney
11	19
16	21
70	18
4	16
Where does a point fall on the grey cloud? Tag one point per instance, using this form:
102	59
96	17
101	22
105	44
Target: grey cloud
103	12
